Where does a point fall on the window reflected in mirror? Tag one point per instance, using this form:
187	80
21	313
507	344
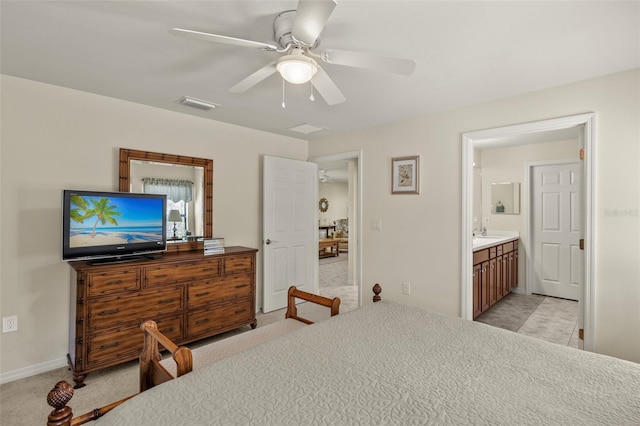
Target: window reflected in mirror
181	184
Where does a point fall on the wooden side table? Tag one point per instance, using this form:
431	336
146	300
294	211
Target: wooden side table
328	243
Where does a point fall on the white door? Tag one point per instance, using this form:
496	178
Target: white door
290	245
556	218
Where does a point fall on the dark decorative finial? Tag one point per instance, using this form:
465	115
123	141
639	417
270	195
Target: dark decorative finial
58	398
376	291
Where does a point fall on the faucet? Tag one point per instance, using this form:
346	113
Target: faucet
483	231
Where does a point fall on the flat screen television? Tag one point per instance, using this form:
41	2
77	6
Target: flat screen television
112	226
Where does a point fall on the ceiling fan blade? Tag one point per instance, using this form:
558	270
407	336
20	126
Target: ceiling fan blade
327	88
221	39
311	16
254	78
370	61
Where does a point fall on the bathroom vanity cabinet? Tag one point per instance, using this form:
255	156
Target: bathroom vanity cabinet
495	274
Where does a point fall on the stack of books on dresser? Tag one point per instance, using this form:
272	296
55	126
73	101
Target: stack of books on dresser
214	246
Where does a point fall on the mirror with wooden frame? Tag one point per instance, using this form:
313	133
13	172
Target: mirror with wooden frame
135	165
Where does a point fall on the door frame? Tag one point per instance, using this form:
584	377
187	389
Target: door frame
355	249
587	141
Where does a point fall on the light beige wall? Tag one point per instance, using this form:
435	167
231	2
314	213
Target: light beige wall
337	195
508	164
420	240
55	138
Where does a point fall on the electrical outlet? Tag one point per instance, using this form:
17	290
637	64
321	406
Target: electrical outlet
406	288
9	324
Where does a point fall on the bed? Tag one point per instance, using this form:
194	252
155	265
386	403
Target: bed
387	363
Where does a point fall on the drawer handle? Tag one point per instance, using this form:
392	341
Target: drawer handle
161	276
165	301
242	285
209	269
111	312
114	282
204	321
202	294
111	345
240	311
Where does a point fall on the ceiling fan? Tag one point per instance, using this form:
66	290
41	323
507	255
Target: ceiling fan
297	34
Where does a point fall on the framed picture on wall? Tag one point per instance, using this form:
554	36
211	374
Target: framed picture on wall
405	177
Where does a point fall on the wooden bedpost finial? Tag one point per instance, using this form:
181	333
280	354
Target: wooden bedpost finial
58	398
376	291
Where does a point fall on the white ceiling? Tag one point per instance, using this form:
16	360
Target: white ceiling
465	53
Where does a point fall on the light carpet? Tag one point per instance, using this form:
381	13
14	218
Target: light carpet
23	402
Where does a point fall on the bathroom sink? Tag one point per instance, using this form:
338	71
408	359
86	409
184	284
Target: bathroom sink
485	241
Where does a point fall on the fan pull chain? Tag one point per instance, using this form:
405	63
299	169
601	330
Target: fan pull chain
283	105
311	98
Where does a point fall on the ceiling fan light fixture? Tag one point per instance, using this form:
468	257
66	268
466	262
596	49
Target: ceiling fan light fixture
297	69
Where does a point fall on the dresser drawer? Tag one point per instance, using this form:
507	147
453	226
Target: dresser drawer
240	263
109	282
181	272
219	289
213	319
126	343
134	308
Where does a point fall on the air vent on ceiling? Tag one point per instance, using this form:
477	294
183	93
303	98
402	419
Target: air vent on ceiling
306	128
197	103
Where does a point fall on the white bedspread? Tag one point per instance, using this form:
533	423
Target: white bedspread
391	364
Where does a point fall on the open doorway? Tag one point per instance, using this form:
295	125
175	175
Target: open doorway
583	125
339	213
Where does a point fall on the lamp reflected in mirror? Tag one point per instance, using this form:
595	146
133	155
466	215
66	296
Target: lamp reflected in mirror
174	216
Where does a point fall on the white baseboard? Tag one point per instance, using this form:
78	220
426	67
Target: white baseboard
32	370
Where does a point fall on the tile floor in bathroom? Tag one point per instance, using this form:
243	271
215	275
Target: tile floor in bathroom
547	318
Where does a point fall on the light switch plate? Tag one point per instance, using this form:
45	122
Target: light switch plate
9	323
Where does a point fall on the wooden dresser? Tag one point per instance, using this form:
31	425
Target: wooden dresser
189	295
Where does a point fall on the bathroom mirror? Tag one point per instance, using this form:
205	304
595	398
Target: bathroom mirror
136	165
505	198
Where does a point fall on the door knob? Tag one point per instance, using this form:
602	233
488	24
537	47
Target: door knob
268	241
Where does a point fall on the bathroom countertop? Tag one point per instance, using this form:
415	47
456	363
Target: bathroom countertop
494	237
